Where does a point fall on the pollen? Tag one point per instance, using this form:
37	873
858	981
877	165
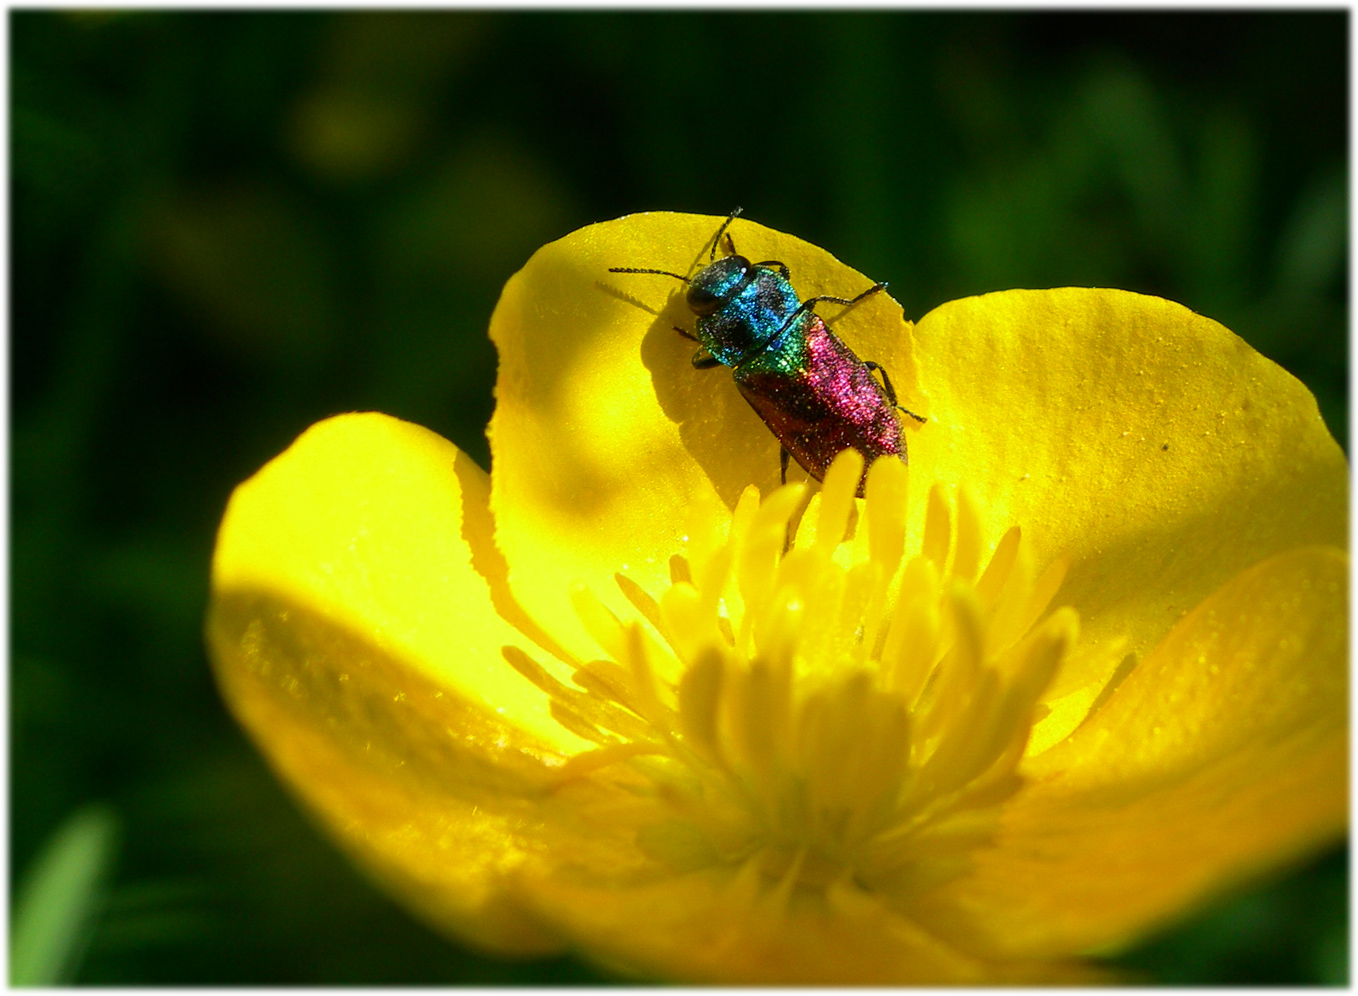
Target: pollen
811	705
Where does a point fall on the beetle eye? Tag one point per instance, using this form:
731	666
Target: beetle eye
702	301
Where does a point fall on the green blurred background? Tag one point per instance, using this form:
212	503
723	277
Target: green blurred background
226	226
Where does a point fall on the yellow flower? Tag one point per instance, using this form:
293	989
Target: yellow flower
1078	667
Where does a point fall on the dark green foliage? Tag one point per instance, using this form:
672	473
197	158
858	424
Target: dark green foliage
226	226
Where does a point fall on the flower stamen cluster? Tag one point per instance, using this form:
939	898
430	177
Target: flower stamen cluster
807	703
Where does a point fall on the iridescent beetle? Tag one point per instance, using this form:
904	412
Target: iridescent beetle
810	388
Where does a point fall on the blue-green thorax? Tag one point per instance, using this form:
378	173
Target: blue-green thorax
742	308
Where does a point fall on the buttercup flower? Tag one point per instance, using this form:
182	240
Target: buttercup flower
1079	666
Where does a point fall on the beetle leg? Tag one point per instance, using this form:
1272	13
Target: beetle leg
703	360
891	391
811	302
886	381
846	300
783	456
782	267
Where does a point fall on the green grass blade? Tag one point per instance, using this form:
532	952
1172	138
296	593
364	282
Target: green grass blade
61	893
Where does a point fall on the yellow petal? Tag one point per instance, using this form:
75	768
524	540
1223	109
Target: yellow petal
1148	443
355	639
604	432
701	928
382	526
1223	754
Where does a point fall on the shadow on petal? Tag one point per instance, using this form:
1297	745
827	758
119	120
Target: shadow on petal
436	797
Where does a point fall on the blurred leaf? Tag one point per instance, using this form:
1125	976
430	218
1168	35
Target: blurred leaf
148	914
485	209
347	135
1223	210
53	156
252	263
368	114
400	50
60	898
1312	249
1125	112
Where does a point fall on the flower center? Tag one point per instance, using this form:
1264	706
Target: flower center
807	701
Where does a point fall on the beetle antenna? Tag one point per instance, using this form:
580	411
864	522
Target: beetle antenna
717	241
663	273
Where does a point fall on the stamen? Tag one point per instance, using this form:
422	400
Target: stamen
700	692
967	550
886	493
779	896
599	621
592	760
830	715
998	571
685	617
841	481
913	640
642	602
937	530
648	705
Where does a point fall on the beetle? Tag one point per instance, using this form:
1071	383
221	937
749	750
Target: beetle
810	389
